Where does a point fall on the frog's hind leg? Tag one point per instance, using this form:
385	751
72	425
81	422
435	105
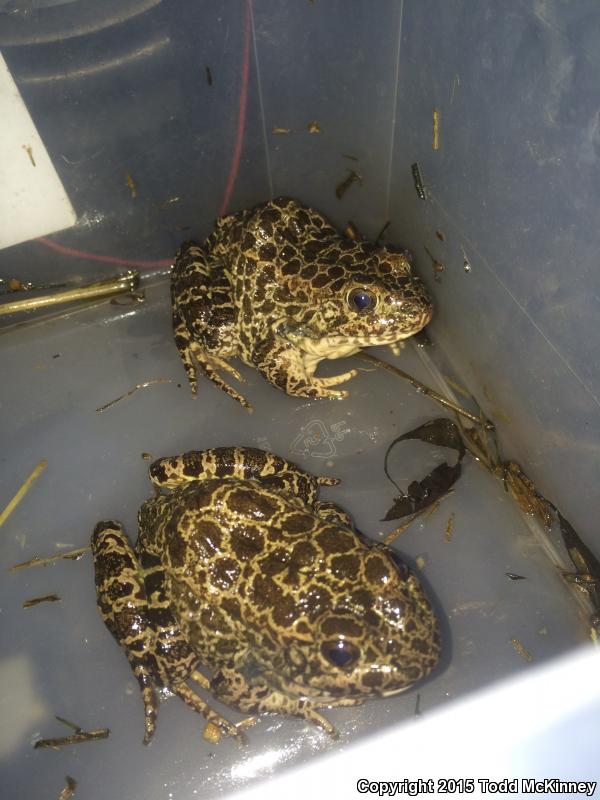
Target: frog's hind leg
123	605
333	513
237	462
203	317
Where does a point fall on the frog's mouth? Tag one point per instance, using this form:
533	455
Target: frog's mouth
340	346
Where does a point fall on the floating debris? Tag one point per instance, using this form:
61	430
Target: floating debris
129	299
147	456
342	188
439	432
47	598
420	562
466	262
526	495
281	131
418	180
436	129
314	127
170	201
72	555
212	733
514	577
449	528
69	790
521	650
455	85
351	157
382	232
22	491
440	236
418	706
438	266
131	183
351	231
29	150
76	738
152	382
69	724
209	77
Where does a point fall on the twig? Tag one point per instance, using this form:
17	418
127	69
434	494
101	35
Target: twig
421	387
72	555
25	487
47	598
139	386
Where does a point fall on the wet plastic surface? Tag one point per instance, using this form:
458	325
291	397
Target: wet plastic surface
59	659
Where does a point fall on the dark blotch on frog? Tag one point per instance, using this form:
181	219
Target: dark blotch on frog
279	287
240	569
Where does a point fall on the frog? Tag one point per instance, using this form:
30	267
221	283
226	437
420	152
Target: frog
278	287
244	583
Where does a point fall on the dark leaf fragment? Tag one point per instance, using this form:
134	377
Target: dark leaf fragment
440	432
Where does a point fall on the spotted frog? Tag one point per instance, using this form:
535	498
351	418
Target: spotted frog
278	287
239	568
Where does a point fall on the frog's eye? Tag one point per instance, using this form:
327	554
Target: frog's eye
361	300
340	653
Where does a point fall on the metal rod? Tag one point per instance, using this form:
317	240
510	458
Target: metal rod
127	282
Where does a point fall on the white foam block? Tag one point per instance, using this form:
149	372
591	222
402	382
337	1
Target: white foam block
33	201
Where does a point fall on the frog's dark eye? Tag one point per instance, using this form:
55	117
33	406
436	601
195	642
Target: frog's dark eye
340	653
361	300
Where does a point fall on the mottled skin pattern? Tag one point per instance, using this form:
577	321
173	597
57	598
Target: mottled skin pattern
276	286
238	567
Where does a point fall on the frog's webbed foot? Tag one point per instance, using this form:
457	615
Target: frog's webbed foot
209	364
232	688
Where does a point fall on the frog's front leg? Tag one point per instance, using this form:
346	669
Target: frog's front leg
286	366
230	687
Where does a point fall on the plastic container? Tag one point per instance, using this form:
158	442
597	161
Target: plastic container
140	122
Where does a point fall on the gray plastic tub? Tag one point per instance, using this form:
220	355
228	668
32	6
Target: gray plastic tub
127	128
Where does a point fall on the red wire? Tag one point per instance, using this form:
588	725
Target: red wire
231	178
241	126
123	262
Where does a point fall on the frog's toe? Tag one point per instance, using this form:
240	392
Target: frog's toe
150	713
335	380
335	394
396	347
193	700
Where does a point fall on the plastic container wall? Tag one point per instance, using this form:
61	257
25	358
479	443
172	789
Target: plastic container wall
185	105
158	116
